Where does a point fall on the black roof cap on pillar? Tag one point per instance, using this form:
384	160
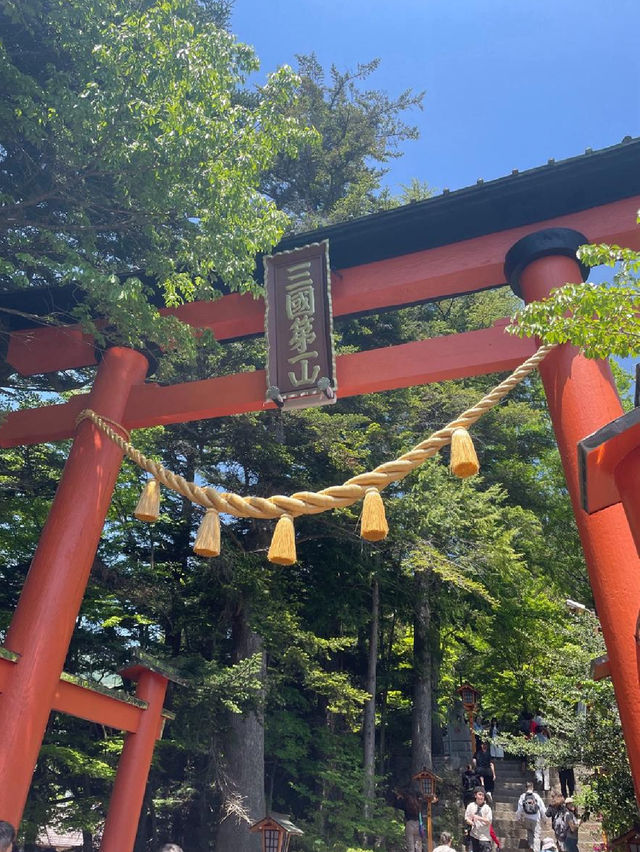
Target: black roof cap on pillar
550	241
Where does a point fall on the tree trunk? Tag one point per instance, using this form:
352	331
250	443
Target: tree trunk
386	658
421	715
244	758
437	741
369	721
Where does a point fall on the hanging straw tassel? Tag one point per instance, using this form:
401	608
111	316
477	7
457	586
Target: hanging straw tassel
207	541
148	508
464	461
373	526
283	543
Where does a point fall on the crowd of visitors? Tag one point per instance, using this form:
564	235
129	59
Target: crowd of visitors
479	835
478	781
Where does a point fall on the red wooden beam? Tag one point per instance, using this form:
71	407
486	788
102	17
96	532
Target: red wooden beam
449	270
85	702
456	356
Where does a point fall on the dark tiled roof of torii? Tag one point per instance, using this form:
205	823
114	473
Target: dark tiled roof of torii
519	199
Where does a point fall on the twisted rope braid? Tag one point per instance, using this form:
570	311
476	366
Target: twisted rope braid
334	497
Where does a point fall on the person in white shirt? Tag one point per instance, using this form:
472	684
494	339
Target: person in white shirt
445	843
541	737
479	816
531	810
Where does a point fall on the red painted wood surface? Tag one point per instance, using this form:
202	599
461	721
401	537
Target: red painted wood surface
46	614
86	703
599	463
449	270
437	359
5	669
582	398
133	768
627	479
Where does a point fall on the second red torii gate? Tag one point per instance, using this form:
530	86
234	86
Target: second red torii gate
540	254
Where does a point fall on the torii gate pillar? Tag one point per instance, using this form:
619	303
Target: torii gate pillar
582	397
46	614
125	806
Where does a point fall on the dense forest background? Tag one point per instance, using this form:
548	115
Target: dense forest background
138	163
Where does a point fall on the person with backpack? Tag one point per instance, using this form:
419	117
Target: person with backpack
530	810
558	813
478	815
470	780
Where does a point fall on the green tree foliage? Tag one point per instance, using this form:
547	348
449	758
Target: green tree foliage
129	159
338	175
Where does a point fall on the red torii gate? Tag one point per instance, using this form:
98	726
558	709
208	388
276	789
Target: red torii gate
454	244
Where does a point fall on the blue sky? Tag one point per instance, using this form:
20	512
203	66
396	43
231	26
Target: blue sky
507	84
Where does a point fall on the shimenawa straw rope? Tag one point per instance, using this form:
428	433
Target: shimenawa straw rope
334	497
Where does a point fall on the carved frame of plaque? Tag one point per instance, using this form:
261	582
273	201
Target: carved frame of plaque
301	368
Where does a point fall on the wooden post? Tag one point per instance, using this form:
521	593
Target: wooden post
46	614
133	769
582	398
429	827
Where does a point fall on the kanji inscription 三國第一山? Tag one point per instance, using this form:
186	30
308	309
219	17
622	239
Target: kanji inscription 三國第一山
301	365
300	307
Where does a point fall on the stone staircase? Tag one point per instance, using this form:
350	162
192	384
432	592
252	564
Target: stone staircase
510	784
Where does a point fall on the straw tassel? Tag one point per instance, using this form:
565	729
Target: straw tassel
207	541
148	508
283	543
464	461
373	526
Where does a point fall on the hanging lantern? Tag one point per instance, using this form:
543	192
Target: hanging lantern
276	830
469	696
427	783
